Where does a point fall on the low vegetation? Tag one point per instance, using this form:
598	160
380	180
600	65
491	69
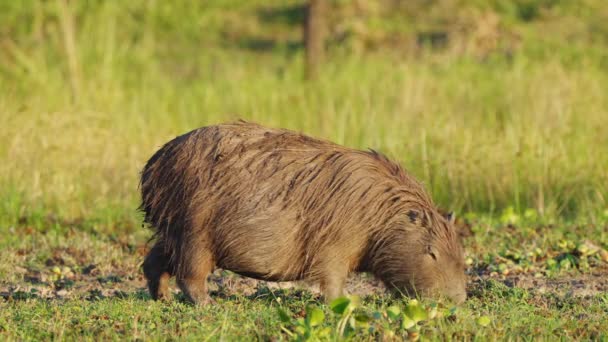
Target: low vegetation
500	109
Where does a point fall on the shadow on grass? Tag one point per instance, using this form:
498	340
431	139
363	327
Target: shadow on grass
258	44
290	16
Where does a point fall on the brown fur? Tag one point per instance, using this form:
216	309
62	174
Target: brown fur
277	205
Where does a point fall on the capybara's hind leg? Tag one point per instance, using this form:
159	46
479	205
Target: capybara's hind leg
157	273
193	280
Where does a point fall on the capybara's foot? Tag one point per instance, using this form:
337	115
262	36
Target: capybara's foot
162	292
159	287
333	283
156	273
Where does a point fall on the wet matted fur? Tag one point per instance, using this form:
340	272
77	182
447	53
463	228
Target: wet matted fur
277	205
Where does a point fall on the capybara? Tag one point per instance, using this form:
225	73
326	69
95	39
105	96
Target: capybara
277	205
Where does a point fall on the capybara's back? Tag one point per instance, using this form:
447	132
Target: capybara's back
277	205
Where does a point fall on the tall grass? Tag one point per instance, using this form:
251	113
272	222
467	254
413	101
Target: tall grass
482	136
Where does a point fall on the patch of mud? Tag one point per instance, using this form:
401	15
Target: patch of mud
66	273
360	284
572	286
89	285
542	290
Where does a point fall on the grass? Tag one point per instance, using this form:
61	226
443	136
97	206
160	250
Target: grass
535	281
522	131
510	135
136	318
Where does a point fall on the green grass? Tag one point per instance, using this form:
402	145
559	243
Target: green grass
526	131
506	124
532	281
134	317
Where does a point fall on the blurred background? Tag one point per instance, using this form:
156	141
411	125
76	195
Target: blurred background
499	107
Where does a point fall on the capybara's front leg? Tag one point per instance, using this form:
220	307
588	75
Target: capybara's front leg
157	273
193	281
332	281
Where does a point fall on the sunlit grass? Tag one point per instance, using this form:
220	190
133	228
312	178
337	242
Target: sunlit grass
481	137
517	141
519	131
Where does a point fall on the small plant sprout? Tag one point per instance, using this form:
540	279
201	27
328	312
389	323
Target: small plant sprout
484	321
349	321
413	314
308	328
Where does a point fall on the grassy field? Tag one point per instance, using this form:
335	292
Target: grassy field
499	109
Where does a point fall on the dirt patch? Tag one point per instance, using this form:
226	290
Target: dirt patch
573	286
89	285
101	268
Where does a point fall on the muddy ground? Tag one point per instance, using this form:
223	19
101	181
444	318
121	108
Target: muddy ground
90	283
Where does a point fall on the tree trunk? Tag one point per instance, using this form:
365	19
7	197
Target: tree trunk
68	30
314	36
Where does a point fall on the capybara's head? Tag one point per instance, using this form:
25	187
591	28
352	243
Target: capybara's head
424	257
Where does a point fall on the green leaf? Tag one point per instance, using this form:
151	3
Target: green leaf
352	322
415	328
325	332
363	318
349	331
416	312
393	312
284	316
484	321
339	305
314	316
406	322
355	301
432	313
300	330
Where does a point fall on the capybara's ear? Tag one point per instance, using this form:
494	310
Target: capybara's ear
451	217
430	250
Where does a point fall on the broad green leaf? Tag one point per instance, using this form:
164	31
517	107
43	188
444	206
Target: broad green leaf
389	335
325	332
300	330
284	316
352	323
363	318
348	331
415	312
393	312
314	316
406	322
484	321
355	301
339	305
432	311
